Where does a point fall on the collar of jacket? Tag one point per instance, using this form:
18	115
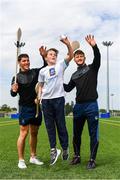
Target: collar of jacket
81	66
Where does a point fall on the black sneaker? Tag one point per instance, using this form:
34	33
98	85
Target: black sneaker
91	164
54	155
75	160
65	154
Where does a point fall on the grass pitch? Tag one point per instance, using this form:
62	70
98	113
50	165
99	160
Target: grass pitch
108	157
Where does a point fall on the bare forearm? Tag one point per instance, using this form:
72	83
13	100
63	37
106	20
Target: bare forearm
40	91
70	53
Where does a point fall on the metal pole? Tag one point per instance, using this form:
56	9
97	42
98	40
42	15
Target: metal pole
112	109
107	44
108	106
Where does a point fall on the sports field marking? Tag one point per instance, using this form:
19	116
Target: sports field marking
116	121
8	124
110	123
8	121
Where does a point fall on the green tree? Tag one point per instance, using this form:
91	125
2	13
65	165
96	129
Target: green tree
68	108
102	111
14	109
5	108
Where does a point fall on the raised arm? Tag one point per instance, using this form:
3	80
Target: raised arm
96	61
90	39
43	53
70	49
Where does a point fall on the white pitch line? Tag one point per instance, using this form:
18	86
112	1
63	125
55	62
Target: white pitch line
110	120
8	121
110	123
8	124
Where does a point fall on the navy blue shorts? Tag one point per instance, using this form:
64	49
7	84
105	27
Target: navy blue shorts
27	116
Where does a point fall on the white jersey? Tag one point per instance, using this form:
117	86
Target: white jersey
52	77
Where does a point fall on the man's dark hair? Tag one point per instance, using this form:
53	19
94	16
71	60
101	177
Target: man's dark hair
22	56
53	49
79	52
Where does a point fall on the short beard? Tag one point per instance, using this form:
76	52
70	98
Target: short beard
80	65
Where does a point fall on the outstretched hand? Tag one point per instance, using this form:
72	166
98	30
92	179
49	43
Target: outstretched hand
65	41
90	39
43	51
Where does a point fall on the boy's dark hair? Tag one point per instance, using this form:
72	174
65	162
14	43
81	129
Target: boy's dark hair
53	49
22	56
79	52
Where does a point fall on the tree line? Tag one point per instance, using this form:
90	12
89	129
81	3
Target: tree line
68	109
7	109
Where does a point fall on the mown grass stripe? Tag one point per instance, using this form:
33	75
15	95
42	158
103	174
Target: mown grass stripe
8	121
111	123
116	121
8	124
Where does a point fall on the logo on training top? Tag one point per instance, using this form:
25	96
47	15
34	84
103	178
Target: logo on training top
96	118
52	71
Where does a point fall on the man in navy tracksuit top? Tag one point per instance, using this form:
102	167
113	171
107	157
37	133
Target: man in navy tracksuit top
25	86
86	107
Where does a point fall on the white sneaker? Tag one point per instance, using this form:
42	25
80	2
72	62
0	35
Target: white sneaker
22	164
35	160
54	155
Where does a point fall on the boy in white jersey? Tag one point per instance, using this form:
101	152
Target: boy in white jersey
51	95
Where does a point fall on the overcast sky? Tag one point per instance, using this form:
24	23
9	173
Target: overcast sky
42	22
